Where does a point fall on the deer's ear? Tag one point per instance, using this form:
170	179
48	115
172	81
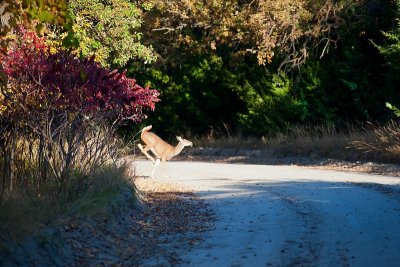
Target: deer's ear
179	138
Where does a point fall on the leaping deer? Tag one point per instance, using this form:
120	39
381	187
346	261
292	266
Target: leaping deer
160	148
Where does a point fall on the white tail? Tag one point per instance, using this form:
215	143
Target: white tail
161	149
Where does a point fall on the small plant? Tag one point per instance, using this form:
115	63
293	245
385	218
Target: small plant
395	109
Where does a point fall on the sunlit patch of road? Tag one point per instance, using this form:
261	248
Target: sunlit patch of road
291	216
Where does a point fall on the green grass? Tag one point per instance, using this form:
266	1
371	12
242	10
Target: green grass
22	214
103	193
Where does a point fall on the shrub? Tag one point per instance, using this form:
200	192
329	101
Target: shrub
56	108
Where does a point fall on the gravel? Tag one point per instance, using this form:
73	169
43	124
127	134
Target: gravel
266	157
291	216
171	223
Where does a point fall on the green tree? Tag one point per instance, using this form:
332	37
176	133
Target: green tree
110	31
207	91
391	51
352	83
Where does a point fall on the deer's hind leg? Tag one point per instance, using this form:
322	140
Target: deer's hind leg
144	151
154	169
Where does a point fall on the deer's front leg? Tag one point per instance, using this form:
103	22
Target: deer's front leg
164	167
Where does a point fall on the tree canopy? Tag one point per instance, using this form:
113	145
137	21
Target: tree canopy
263	27
251	66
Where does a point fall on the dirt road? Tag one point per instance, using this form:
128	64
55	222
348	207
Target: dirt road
291	216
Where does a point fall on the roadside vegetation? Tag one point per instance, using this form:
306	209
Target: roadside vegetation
59	116
282	76
365	143
24	213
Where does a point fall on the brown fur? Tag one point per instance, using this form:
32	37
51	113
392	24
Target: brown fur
161	149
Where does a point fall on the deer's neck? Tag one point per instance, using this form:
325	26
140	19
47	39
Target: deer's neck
178	148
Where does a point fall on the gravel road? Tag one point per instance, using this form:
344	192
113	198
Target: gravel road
290	216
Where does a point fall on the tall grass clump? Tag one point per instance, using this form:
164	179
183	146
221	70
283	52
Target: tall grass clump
222	137
25	211
381	142
315	141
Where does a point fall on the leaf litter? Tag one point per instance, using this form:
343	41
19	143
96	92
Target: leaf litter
141	230
165	217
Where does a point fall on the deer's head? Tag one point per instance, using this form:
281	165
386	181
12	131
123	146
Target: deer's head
184	142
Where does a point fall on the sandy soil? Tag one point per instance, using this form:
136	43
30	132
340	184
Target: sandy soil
288	215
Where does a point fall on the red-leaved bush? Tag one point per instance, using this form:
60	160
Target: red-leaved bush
39	80
59	114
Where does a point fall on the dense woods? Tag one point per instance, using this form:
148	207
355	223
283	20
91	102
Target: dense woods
253	67
258	67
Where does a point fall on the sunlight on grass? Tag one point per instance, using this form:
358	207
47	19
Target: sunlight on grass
380	143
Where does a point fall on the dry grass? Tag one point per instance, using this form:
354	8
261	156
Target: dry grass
227	142
59	168
35	194
24	213
382	143
376	143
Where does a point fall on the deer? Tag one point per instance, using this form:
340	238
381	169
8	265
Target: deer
161	149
